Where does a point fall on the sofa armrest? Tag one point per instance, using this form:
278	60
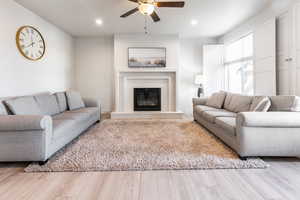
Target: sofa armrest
269	119
89	102
24	122
199	101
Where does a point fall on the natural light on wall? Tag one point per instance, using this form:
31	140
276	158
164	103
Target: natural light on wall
239	65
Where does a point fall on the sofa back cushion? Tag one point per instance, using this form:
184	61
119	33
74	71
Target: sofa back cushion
227	100
62	101
74	100
48	104
237	103
23	106
260	104
285	103
216	100
3	110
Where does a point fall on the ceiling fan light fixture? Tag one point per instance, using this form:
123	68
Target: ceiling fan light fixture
194	22
146	8
99	22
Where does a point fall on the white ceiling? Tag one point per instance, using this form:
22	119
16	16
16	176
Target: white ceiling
77	17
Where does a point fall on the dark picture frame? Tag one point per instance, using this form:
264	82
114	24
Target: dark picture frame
147	57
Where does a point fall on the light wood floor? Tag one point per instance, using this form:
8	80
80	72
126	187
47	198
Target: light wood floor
280	181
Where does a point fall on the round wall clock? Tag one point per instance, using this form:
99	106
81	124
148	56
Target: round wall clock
30	43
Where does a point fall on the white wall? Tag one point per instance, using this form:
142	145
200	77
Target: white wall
19	76
94	69
191	63
275	9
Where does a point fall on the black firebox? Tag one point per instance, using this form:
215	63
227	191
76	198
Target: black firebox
147	99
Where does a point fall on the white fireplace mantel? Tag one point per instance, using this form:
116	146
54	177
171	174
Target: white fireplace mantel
146	70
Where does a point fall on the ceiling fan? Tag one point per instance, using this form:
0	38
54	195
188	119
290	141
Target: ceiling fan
147	7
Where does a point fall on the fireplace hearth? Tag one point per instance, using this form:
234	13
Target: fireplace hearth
147	99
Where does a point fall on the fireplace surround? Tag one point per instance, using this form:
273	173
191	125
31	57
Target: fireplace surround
163	79
147	99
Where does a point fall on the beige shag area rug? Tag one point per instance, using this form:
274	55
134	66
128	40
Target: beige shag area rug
145	145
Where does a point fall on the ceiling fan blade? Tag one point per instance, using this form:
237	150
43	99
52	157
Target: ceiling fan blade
130	12
155	17
136	1
173	4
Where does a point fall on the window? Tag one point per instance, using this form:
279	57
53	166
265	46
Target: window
239	65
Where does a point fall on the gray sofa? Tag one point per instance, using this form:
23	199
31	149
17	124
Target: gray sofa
33	128
250	127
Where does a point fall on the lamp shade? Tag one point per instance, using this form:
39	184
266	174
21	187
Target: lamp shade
199	79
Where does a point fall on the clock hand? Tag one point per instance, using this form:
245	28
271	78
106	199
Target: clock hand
29	45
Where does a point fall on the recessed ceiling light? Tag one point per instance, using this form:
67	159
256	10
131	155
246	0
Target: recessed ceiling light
99	22
194	22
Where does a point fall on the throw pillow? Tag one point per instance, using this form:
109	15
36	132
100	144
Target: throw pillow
285	103
74	100
48	104
23	106
260	104
238	103
228	98
2	109
216	100
62	101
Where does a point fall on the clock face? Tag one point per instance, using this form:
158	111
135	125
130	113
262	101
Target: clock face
30	43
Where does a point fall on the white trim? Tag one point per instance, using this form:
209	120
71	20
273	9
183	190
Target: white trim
240	60
233	40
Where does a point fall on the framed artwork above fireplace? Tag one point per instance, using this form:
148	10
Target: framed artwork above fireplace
147	57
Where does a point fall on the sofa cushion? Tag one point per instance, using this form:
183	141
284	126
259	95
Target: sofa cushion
260	104
3	110
70	116
201	108
62	101
285	103
92	112
237	103
216	100
228	124
74	100
210	116
199	101
79	115
61	128
23	106
47	103
85	110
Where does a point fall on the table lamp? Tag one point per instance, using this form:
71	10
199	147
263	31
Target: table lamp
199	80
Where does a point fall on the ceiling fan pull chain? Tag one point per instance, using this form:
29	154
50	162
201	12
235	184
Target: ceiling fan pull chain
145	27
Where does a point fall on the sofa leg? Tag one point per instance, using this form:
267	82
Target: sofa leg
43	162
243	158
